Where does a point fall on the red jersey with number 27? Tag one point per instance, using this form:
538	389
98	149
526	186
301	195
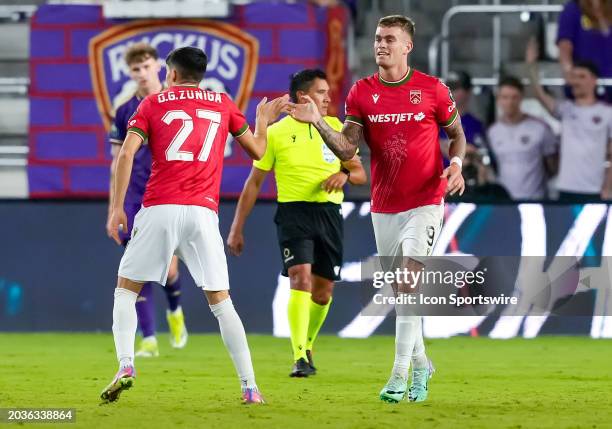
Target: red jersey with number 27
186	128
400	122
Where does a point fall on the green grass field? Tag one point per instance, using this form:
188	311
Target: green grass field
556	382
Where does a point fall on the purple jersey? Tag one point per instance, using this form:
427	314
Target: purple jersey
589	42
141	169
473	130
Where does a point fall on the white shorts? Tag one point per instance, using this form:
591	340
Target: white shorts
412	233
189	232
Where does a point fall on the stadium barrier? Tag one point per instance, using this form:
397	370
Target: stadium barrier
58	268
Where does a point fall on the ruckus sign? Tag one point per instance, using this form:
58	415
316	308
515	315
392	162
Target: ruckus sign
232	57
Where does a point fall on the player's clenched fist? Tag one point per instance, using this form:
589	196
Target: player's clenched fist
118	219
235	242
455	179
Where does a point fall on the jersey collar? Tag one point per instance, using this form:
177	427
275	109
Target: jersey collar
187	85
402	81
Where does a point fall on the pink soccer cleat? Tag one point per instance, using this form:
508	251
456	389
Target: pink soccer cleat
122	381
251	395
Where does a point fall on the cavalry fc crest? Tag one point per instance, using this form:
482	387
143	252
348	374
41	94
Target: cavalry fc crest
232	58
415	96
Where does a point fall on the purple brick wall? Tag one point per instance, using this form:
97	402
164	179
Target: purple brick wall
69	153
66	145
47	111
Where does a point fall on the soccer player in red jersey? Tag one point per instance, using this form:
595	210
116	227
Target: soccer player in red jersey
186	128
398	111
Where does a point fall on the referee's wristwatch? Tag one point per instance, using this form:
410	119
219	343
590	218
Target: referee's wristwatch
346	171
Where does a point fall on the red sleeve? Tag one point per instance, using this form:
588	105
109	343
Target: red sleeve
237	122
139	122
351	107
446	110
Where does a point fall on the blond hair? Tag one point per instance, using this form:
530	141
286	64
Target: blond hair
140	52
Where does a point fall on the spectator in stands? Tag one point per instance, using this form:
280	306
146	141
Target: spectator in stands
586	133
460	84
478	187
585	34
525	147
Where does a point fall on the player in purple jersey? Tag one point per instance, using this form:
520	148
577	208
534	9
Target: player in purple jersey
144	70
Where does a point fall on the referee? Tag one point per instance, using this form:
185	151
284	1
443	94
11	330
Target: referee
310	179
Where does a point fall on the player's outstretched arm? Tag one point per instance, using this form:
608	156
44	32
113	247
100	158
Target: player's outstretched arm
252	186
456	152
255	144
342	144
531	58
123	171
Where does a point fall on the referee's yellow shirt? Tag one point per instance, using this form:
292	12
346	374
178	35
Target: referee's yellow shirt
301	161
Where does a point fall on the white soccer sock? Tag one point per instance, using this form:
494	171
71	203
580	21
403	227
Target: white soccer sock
125	322
234	338
405	336
419	358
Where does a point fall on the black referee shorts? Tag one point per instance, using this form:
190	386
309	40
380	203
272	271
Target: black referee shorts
311	233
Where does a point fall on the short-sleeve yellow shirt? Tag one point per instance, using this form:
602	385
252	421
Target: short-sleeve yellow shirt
301	161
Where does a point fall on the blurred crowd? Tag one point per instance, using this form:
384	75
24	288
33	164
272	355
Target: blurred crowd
518	156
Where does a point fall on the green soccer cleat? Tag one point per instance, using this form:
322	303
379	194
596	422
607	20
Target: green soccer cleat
395	390
148	348
178	331
420	382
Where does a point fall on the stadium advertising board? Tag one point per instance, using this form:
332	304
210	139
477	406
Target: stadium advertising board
76	265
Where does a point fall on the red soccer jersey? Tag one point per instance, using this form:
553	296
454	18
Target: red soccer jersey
400	121
186	128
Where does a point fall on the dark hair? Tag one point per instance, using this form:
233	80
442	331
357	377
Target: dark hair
189	62
590	66
301	81
139	52
512	81
400	21
459	79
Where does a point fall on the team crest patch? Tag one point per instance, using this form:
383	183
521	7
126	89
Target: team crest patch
415	96
232	58
596	120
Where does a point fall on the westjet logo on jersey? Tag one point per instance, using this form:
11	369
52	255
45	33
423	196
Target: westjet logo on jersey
396	118
232	57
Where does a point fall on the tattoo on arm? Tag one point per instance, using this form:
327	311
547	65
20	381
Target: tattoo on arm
456	137
342	144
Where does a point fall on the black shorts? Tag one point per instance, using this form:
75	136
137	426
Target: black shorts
311	233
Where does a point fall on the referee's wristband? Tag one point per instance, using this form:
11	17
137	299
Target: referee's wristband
346	171
457	160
